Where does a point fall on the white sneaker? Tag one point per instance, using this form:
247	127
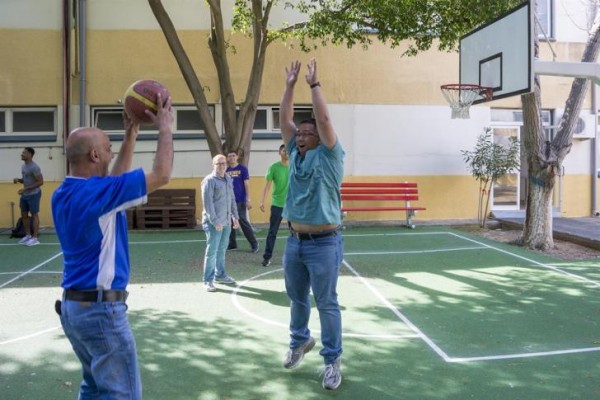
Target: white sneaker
24	239
33	241
210	287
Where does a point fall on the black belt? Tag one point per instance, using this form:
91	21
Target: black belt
92	295
314	235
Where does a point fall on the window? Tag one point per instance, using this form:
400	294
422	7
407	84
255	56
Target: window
187	121
266	122
35	123
544	19
300	114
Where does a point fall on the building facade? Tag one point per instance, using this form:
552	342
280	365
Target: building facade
68	63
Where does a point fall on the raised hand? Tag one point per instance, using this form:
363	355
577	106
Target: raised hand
311	74
292	73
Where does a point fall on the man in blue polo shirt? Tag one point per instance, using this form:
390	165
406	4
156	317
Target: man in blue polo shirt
89	216
314	250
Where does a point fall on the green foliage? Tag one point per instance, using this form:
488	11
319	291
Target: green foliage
488	162
357	22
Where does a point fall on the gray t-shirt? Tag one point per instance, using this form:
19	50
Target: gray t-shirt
30	172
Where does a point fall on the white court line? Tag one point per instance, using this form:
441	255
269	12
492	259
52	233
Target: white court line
30	270
384	253
234	299
397	313
40	333
21	245
449	359
35	272
555	269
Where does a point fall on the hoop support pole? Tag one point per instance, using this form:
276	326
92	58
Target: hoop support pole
568	69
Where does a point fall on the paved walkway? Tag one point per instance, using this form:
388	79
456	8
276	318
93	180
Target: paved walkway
584	231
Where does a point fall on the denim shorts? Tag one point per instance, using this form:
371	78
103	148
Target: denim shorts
30	202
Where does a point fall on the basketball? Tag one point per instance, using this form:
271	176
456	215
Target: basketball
142	96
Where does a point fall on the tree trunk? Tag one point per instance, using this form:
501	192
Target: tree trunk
189	75
238	124
545	157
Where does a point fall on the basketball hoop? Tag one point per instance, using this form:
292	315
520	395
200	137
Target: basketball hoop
461	96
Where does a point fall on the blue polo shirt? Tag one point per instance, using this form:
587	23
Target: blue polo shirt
313	196
90	221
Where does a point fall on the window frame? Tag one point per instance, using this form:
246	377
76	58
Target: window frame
147	132
8	133
548	25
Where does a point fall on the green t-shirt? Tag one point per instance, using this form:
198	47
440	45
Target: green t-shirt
278	174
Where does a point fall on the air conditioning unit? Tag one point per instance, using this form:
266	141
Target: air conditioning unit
585	127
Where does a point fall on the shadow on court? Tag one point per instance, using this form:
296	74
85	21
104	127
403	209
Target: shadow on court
469	300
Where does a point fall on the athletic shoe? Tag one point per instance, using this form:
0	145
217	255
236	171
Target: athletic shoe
33	241
255	249
294	357
210	287
332	377
231	248
24	239
226	280
266	262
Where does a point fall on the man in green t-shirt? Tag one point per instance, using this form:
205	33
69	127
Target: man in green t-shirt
277	176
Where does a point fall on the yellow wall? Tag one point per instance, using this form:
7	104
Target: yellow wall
31	72
445	197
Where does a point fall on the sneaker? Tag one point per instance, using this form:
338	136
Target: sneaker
294	357
33	241
226	280
266	262
231	248
332	377
24	239
210	287
255	249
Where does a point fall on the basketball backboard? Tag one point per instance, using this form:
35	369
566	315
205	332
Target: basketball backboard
499	54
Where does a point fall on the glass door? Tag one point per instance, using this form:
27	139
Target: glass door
506	192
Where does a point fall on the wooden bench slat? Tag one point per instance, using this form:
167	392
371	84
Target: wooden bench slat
383	208
379	191
380	184
381	197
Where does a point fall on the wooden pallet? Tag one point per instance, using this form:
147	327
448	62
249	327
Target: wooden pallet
166	209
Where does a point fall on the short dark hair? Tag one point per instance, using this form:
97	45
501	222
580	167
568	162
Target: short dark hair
311	121
30	150
282	147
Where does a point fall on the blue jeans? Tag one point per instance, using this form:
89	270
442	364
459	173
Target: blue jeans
314	264
216	246
103	342
274	222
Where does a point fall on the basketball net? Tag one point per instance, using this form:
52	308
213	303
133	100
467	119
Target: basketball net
460	97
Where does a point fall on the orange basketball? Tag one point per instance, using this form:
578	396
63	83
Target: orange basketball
142	96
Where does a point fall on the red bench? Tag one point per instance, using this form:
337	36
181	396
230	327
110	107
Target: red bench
377	192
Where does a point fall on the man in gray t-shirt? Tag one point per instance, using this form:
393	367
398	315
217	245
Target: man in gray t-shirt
31	193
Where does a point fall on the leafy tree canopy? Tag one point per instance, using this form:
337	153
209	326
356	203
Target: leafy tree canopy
357	22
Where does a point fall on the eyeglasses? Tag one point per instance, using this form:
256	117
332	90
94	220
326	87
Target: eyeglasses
220	163
305	134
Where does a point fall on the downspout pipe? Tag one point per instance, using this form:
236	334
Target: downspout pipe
595	176
66	95
82	63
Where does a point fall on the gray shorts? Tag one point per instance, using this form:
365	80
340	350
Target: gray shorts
30	203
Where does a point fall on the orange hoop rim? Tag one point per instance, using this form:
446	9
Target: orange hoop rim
483	91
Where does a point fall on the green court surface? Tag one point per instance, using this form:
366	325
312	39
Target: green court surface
430	313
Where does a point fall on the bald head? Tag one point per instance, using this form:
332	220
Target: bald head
80	142
88	152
